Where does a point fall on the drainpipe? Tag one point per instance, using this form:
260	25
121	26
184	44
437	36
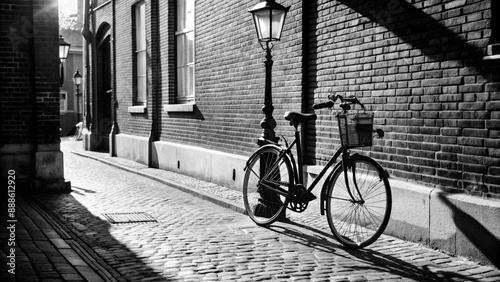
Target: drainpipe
155	77
305	104
94	135
87	35
114	102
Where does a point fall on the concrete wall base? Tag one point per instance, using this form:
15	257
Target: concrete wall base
90	141
131	147
49	166
209	165
37	168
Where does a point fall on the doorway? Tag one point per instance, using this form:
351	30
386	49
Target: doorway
104	92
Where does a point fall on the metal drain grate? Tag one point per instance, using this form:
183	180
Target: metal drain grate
133	217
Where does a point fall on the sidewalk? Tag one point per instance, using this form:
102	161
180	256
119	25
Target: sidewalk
222	196
38	249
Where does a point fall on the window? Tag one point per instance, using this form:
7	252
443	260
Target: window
140	54
185	51
494	48
63	102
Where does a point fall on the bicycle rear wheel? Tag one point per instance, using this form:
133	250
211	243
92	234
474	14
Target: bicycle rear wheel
268	177
78	134
358	213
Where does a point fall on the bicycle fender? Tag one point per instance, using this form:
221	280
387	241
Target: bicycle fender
255	154
377	165
324	189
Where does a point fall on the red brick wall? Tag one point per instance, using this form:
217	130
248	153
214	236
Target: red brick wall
420	67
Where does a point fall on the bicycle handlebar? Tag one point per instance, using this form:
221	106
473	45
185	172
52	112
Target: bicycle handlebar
345	102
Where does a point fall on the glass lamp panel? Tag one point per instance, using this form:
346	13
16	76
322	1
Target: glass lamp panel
278	20
77	80
262	24
63	51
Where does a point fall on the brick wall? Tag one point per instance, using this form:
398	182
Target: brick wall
29	87
230	76
130	123
16	83
29	72
229	88
421	68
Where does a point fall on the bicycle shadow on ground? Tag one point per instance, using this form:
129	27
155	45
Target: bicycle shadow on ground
93	232
367	259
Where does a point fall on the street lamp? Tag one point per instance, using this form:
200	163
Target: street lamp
63	54
77	79
269	18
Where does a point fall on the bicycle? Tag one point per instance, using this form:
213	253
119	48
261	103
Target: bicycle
78	131
356	194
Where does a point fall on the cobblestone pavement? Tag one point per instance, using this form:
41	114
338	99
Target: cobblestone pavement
187	238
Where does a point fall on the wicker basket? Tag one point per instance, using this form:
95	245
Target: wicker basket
356	130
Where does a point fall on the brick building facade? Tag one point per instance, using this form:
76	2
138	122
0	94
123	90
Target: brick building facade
429	69
70	99
29	87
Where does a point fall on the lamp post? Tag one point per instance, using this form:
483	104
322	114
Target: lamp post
77	79
269	18
63	55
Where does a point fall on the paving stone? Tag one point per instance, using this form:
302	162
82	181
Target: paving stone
196	239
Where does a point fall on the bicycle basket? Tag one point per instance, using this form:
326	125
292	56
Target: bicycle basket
356	130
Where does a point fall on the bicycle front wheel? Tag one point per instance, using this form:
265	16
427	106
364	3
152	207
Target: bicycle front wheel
268	177
358	211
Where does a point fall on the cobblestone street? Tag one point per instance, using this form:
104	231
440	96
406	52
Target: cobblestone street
187	238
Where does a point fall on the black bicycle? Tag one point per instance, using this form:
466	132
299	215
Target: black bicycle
356	194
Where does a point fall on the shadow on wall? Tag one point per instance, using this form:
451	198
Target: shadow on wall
422	31
480	237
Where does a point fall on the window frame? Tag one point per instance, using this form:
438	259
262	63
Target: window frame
185	64
140	54
65	105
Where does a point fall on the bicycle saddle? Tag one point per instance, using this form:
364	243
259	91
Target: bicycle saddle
296	118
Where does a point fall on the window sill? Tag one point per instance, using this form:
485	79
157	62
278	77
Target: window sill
491	57
179	108
492	52
137	109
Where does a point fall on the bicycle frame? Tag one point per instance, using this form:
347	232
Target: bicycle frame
299	173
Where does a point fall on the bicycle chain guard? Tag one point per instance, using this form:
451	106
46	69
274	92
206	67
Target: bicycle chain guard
300	198
297	206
